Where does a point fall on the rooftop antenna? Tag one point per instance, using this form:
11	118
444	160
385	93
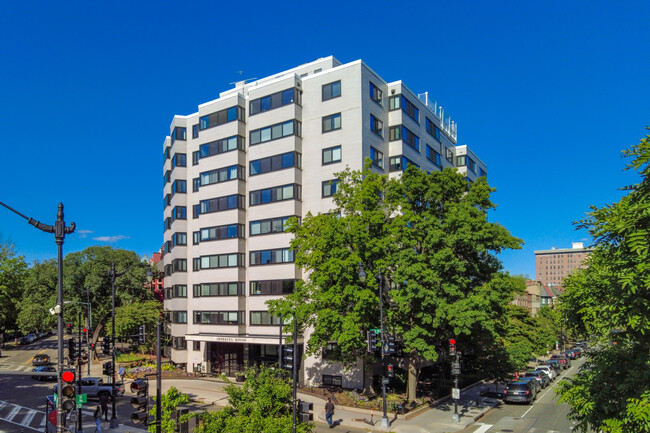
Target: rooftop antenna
241	83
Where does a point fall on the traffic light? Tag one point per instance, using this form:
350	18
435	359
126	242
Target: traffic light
390	370
68	390
372	341
106	347
452	347
304	411
287	357
107	368
72	349
68	328
391	346
141	334
140	388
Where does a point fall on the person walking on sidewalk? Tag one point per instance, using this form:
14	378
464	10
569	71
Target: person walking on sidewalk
98	420
103	402
122	373
329	412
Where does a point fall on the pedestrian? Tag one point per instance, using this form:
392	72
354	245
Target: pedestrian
121	372
329	412
98	420
103	402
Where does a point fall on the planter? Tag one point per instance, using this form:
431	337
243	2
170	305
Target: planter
240	377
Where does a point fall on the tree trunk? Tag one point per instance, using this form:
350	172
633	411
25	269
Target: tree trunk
368	390
413	374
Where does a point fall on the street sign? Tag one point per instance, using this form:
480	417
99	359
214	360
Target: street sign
455	393
55	398
385	381
376	331
82	398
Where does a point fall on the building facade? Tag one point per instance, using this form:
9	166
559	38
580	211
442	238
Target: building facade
554	265
243	164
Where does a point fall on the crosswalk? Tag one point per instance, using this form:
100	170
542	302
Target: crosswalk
15	368
26	417
497	428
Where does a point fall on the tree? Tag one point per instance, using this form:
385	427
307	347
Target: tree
12	272
169	402
262	404
39	294
426	239
610	302
130	316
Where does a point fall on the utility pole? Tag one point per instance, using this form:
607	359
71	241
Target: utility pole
79	423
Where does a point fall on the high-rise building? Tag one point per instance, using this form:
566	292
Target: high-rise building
554	265
243	164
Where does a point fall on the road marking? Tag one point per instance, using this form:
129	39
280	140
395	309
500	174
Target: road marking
483	428
14	411
30	416
26	419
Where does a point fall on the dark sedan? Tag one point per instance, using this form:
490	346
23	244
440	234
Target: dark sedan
44	370
41	359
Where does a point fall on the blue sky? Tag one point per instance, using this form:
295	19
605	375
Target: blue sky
548	94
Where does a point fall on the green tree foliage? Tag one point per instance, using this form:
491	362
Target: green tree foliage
130	316
610	302
429	239
39	294
169	402
262	404
12	273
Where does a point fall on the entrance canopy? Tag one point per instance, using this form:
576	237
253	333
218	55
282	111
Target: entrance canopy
232	338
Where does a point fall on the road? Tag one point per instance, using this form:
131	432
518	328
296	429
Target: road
544	416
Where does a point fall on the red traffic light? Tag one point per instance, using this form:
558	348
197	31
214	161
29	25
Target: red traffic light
452	341
84	330
67	376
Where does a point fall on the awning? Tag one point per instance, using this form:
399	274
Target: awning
235	338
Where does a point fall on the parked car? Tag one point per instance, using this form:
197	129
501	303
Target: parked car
550	371
44	369
29	338
555	364
520	392
562	359
571	354
41	359
540	376
533	380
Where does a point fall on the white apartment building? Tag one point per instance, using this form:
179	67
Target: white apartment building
262	152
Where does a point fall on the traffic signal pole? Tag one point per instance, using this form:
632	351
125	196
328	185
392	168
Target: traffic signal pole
79	423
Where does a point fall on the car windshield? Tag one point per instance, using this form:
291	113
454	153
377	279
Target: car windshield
517	386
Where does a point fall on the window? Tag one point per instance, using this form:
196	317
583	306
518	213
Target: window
221	175
449	155
332	351
178	134
167	200
221	146
276	100
233	288
331	90
329	380
329	187
179	160
332	122
276	162
376	94
167	177
179	213
274	132
179	343
168	223
167	154
221	117
461	161
179	186
402	132
179	238
217	233
196	345
332	155
266	226
179	265
376	126
433	156
432	129
276	193
272	287
399	163
195	131
178	316
269	257
264	318
471	164
377	158
218	261
482	172
219	317
399	101
219	204
179	291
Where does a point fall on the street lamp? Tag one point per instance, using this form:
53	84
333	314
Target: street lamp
384	380
113	275
60	230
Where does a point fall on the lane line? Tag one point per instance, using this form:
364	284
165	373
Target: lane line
551	387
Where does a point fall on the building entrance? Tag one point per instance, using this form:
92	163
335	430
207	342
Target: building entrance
226	358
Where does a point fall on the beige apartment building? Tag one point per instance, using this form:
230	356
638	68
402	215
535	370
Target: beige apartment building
263	152
552	266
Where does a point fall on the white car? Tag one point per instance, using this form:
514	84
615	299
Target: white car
548	370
